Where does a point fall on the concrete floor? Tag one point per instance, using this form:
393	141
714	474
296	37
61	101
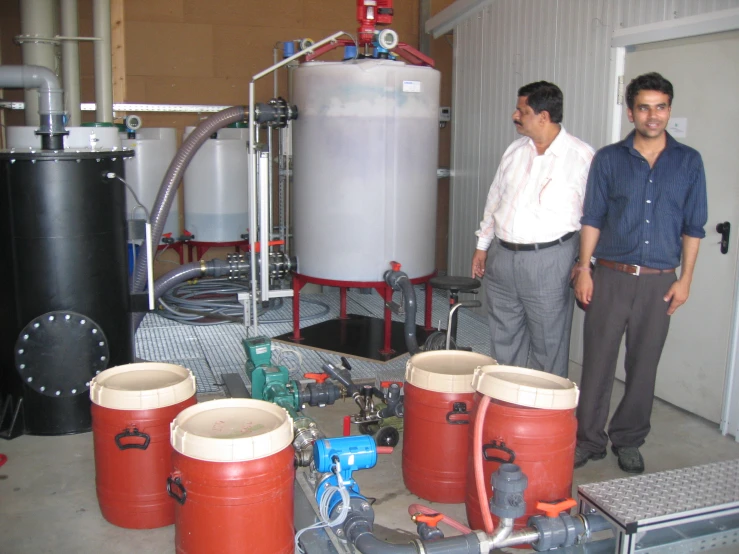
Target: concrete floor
48	502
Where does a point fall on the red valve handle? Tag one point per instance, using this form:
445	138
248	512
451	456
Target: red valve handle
395	266
431	520
317	377
386	384
553	510
384	449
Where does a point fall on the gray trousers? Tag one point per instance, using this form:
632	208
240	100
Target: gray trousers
530	305
634	305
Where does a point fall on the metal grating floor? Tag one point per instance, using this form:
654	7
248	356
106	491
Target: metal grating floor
210	351
659	496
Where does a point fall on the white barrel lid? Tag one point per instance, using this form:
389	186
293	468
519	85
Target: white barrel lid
526	387
445	370
142	386
231	430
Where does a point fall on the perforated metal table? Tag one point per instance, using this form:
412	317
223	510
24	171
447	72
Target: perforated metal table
684	510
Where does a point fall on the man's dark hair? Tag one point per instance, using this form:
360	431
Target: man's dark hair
544	96
648	81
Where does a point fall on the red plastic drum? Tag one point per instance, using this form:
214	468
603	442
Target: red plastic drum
132	408
438	399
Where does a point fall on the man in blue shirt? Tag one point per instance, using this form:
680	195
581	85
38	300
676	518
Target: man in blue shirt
644	213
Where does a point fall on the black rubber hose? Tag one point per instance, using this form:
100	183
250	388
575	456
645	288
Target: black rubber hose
398	280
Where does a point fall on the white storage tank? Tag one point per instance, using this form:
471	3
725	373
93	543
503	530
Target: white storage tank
216	188
365	149
154	147
97	136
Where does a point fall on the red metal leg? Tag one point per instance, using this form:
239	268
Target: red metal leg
388	297
427	323
298	284
342	300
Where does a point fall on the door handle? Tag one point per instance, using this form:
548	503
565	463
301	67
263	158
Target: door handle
724	228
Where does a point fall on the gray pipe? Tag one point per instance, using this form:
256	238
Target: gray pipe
71	62
51	99
168	188
398	280
103	61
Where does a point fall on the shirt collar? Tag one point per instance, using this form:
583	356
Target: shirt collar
559	144
628	143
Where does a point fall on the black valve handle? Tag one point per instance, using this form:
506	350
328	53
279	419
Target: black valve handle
458	409
176	481
498	445
132	433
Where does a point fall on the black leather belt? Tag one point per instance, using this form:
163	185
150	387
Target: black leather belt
536	246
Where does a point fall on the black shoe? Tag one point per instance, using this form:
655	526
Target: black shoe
629	458
582	456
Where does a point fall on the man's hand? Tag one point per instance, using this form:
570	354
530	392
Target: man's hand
583	280
478	263
677	295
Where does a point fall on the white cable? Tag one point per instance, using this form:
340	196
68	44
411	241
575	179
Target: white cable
281	352
326	520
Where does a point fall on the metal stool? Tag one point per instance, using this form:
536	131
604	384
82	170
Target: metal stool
455	285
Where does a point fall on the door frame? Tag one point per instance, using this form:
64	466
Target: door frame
621	39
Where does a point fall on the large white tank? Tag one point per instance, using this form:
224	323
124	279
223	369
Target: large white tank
365	149
154	147
216	188
79	138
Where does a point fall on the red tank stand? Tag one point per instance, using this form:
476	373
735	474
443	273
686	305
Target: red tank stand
202	247
385	291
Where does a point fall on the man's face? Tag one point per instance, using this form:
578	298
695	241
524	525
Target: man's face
651	113
524	118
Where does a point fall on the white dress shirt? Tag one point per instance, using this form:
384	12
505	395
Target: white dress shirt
536	198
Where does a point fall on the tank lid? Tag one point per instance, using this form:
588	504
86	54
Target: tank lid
143	386
231	430
445	370
526	387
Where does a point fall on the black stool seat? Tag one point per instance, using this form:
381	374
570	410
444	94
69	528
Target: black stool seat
455	284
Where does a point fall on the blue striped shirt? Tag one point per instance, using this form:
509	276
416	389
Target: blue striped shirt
643	212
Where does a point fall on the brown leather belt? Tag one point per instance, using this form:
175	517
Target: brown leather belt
635	270
516	247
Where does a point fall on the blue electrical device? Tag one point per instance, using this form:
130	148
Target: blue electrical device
348	454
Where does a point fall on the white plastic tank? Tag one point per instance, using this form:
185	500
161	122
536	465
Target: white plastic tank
365	149
79	138
154	149
216	187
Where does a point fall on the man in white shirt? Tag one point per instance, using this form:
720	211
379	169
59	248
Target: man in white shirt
529	235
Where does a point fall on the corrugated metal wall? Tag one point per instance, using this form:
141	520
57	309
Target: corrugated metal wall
513	42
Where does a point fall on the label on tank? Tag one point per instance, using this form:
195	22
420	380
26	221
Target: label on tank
411	86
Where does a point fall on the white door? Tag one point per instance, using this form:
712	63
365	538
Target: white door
705	115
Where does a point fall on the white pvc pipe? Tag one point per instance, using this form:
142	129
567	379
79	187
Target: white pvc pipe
103	61
71	62
37	19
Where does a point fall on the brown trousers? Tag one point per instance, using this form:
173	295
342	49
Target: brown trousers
634	305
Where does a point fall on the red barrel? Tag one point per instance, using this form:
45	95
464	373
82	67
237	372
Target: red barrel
132	407
530	422
438	398
233	477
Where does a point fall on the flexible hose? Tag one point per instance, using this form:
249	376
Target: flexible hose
172	179
451	522
477	461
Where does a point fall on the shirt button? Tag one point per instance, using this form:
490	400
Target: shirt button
647	221
646	242
649	201
650	180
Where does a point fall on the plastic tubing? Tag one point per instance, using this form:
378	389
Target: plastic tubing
173	177
477	462
451	522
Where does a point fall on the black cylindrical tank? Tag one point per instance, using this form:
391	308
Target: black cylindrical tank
63	283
